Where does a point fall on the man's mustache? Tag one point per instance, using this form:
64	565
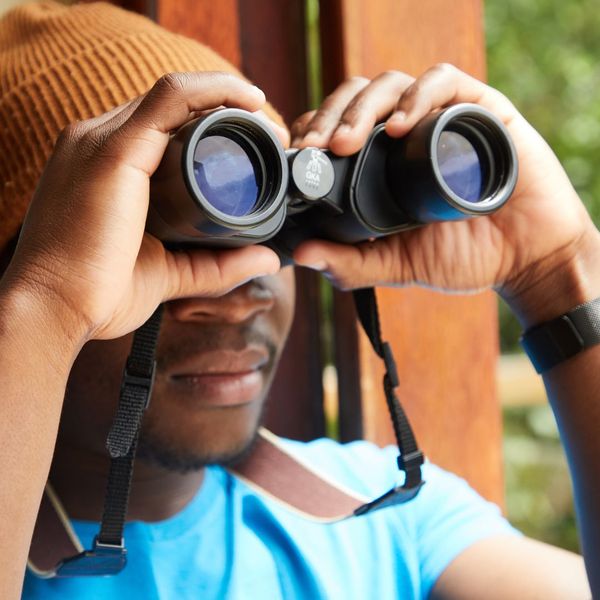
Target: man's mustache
206	338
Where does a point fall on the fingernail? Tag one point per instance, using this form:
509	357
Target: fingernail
342	129
398	117
311	138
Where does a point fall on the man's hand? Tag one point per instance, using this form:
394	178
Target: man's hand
542	229
83	249
84	268
540	252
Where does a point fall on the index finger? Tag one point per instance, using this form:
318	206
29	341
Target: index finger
176	96
171	102
442	86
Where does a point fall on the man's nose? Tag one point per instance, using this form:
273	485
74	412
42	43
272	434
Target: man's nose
237	306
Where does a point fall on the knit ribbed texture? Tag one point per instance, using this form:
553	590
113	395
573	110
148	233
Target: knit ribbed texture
62	64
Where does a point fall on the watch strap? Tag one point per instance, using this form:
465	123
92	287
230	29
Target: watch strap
550	343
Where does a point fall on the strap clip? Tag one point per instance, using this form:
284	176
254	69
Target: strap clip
108	547
102	559
141	381
411	460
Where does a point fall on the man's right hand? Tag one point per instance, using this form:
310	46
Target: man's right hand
83	249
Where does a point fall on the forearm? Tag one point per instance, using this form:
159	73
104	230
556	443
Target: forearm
35	359
573	388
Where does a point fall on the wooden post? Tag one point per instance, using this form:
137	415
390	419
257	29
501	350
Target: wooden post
446	346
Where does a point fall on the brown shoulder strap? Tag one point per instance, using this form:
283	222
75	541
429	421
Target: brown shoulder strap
270	469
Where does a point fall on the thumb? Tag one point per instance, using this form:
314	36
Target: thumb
215	272
352	266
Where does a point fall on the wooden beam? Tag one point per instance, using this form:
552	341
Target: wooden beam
446	346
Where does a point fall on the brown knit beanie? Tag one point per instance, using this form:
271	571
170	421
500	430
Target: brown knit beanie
62	64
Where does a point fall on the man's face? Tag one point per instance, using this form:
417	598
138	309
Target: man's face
215	362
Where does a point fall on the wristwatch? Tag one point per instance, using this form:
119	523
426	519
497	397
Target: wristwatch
550	343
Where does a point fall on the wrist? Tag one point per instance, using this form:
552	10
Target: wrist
33	320
557	284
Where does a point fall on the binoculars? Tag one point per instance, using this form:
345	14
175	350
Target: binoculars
225	180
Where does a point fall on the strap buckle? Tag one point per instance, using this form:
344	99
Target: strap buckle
140	381
397	495
102	559
411	460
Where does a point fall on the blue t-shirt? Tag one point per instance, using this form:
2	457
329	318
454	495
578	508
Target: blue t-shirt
230	543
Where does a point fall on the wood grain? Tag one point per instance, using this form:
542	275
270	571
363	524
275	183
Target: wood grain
215	24
446	346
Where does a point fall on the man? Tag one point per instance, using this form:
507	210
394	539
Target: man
84	272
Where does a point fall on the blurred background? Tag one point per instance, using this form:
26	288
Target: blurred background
543	54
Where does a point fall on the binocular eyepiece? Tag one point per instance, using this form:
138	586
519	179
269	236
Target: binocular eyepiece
225	180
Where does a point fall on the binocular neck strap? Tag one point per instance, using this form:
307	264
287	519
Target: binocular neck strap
410	458
136	390
55	550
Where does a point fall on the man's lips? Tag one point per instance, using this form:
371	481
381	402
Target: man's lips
222	377
222	362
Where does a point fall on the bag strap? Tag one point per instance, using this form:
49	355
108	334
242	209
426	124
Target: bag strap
53	537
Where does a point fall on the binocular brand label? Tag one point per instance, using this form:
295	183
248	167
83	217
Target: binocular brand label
314	168
312	173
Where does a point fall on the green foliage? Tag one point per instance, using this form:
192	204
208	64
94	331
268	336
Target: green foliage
539	500
544	54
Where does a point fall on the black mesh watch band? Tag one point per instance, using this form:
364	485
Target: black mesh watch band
552	342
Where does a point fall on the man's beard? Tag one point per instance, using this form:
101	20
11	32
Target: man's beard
157	447
153	449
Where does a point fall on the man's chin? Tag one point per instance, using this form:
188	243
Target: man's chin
184	438
184	460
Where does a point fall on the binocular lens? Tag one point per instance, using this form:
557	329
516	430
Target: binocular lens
460	166
226	175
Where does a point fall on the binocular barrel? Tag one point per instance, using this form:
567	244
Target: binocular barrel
225	180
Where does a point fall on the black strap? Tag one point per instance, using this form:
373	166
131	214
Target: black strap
136	389
410	458
108	555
